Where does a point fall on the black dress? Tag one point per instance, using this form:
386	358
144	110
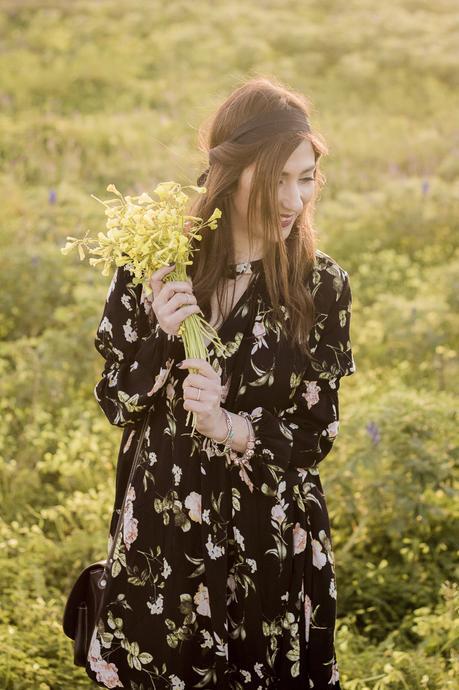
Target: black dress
223	577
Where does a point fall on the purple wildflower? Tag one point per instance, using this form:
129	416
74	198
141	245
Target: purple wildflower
374	432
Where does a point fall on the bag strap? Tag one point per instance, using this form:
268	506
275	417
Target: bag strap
134	466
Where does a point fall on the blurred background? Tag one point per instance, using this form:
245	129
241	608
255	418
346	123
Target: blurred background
114	91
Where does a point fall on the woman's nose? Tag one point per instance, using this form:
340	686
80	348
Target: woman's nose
291	201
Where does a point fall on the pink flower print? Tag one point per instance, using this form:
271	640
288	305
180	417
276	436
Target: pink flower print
130	532
332	430
94	652
259	329
130	523
312	393
300	537
201	599
277	513
335	674
193	503
243	474
105	673
130	498
160	380
109	676
302	473
319	558
170	391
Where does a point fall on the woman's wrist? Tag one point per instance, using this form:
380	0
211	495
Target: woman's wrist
240	438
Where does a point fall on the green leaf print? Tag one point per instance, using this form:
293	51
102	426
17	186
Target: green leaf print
130	402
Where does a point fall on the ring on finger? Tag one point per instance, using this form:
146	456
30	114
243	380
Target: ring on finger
199	393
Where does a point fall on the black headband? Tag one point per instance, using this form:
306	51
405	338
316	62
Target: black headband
264	125
269	123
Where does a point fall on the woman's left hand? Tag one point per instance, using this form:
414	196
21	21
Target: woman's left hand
208	411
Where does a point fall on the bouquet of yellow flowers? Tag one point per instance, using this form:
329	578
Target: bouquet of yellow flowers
148	234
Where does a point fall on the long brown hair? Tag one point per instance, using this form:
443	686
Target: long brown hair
287	262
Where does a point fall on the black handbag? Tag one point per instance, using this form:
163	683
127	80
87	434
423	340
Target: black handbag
85	600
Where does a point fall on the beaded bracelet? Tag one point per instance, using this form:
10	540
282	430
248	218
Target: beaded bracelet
250	443
230	435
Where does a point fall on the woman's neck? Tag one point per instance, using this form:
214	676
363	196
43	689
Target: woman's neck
246	261
242	253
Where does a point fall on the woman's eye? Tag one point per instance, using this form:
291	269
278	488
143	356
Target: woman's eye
304	179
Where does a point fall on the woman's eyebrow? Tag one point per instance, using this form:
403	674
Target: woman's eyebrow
304	171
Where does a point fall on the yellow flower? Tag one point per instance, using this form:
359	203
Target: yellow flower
149	234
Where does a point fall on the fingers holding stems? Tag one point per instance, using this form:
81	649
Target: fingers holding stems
207	408
173	301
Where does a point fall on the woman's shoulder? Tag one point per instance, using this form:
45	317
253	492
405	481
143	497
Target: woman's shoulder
328	282
327	279
327	265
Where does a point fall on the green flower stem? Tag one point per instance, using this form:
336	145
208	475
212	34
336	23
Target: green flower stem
193	331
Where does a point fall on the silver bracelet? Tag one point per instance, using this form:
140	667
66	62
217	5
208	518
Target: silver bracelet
230	433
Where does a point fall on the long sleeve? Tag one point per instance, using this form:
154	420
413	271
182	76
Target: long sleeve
303	434
138	357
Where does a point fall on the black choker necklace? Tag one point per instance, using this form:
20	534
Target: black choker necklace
235	270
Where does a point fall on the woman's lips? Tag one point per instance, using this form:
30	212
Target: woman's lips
286	221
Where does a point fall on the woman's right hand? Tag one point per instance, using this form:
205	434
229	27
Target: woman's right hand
172	301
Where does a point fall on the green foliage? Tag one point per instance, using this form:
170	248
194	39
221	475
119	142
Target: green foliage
93	93
393	664
394	528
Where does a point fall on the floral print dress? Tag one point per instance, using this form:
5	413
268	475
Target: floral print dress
223	576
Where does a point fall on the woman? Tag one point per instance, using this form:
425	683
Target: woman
223	573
